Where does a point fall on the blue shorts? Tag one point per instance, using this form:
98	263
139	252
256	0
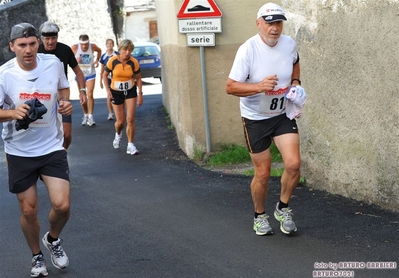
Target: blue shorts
89	77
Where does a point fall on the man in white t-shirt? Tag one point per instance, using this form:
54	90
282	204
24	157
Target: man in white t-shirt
265	66
29	82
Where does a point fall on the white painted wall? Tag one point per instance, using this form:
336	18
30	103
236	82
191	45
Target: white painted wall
137	25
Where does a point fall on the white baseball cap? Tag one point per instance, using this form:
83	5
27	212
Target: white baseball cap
271	12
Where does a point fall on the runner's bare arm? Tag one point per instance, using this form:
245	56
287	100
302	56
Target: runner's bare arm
74	48
15	114
139	89
101	76
296	74
63	94
242	89
98	50
65	106
106	84
80	78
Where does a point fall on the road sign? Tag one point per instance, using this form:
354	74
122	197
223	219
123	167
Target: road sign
199	9
198	25
201	16
201	39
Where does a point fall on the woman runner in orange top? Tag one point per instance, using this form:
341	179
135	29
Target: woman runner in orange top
125	90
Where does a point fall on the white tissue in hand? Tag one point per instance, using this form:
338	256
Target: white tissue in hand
297	95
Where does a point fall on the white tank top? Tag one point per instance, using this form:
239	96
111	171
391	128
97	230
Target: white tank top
85	60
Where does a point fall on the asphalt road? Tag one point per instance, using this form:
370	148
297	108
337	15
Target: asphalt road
158	214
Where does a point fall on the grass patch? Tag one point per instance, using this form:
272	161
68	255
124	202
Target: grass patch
277	172
275	153
232	154
249	172
198	155
169	122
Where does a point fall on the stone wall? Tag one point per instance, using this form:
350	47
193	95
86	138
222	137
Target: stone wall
15	12
350	128
92	17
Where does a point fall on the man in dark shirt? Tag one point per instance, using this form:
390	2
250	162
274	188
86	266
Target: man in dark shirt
49	34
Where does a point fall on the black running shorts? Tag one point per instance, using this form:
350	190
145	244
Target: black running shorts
259	133
67	119
118	97
23	172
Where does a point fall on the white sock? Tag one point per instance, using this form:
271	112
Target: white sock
129	145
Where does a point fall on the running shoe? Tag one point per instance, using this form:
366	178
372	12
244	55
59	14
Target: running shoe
284	216
84	120
132	150
58	257
90	121
111	116
39	268
262	226
117	141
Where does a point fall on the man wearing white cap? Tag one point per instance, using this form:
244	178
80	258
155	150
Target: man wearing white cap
265	66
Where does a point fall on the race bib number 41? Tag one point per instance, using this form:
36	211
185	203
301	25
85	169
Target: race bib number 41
273	102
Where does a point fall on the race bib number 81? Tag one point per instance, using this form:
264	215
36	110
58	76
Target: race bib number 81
273	102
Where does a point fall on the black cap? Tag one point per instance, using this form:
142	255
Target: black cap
23	30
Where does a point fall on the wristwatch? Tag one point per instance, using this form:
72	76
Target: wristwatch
83	90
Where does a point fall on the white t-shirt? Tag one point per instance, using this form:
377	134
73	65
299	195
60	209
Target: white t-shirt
254	61
17	86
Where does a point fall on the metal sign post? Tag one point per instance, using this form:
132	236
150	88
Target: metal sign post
200	20
205	97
